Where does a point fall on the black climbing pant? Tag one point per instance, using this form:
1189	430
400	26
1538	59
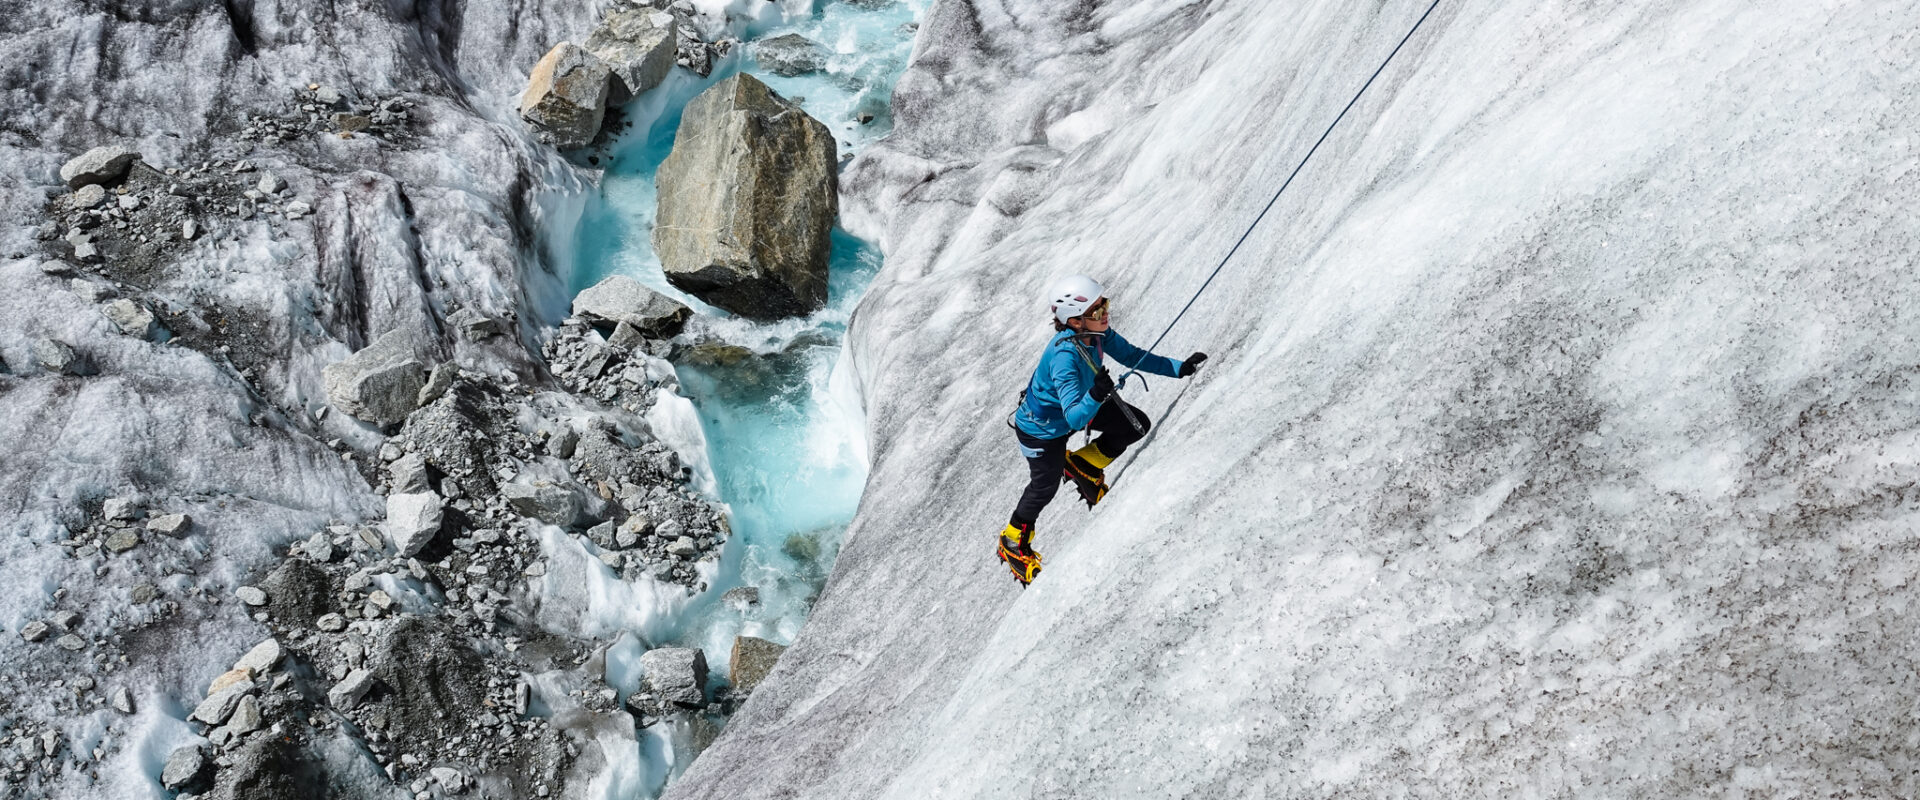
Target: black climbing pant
1046	458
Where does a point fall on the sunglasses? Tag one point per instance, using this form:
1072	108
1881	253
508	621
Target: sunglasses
1098	313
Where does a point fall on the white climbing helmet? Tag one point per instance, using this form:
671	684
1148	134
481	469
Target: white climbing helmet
1073	295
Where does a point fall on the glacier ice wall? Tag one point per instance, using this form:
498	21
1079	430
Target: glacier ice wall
1561	436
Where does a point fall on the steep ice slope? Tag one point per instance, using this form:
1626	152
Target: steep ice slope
1561	436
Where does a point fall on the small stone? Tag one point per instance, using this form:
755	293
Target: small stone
251	595
352	123
89	196
612	558
189	230
269	183
752	659
262	658
331	623
413	520
326	96
35	631
298	208
184	765
173	525
684	547
132	318
220	705
129	202
318	548
563	442
122	700
246	716
55	356
71	643
123	540
118	509
346	694
67	619
144	593
438	382
450	779
234	677
380	599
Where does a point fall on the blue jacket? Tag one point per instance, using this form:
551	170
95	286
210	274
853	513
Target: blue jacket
1057	403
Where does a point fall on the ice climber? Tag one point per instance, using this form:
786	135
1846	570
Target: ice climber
1071	391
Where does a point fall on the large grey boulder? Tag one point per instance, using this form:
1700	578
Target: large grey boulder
790	55
99	165
183	767
637	45
752	659
380	383
676	675
566	97
747	202
622	299
413	519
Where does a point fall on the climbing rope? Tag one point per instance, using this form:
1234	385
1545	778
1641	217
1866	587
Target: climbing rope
1283	188
1148	434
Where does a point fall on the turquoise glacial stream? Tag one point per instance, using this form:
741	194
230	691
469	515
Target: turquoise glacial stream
782	420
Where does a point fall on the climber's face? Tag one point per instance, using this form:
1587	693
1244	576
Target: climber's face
1094	321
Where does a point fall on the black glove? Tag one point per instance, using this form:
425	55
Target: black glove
1192	364
1102	386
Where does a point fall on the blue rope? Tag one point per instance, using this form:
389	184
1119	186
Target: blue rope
1283	188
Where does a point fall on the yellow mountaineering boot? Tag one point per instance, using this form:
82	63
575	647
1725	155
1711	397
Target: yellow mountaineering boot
1016	551
1087	468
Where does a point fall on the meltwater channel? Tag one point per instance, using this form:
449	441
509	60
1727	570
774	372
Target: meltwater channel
781	419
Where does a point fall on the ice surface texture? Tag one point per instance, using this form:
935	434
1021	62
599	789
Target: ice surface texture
1560	435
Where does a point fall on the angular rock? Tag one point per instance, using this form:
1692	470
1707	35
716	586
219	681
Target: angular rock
269	183
408	475
563	442
638	47
238	676
437	383
566	98
452	780
684	547
67	619
262	658
119	509
246	716
790	55
251	595
346	694
88	196
99	165
380	383
35	631
220	705
413	519
132	318
189	231
55	356
318	548
184	766
174	525
71	643
122	540
122	700
331	623
747	201
547	501
622	299
676	675
476	326
752	659
327	96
